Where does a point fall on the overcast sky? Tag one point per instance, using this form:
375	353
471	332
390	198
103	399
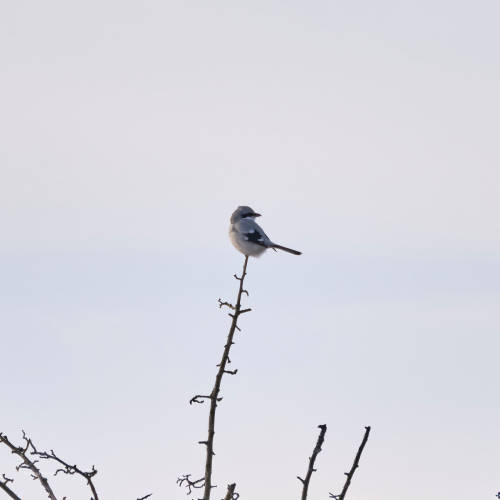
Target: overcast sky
366	133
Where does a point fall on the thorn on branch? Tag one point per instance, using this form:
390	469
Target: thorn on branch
227	304
190	485
198	399
144	497
4	487
231	372
6	480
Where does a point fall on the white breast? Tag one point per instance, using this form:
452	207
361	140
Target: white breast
244	246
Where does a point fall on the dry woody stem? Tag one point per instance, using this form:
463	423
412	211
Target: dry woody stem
4	487
312	459
214	396
355	465
30	464
205	482
27	463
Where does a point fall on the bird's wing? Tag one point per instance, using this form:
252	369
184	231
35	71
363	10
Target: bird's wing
252	232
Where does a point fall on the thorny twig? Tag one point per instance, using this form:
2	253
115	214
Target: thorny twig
69	469
4	487
218	381
312	459
199	399
190	485
26	463
206	481
355	465
227	304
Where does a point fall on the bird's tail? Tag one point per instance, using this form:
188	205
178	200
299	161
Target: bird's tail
289	250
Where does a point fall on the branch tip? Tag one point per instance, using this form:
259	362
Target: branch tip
312	459
355	465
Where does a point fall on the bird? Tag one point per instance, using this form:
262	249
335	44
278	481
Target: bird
248	237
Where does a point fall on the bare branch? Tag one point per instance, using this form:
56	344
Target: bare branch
26	463
312	459
206	481
190	485
355	465
4	487
69	469
198	399
144	497
231	495
227	304
218	380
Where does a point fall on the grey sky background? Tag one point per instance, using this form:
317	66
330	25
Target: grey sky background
367	135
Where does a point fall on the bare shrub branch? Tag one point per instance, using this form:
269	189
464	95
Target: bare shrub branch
355	465
27	463
4	487
218	380
206	481
69	469
186	481
312	459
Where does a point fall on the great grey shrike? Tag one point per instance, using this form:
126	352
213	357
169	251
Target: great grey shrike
248	237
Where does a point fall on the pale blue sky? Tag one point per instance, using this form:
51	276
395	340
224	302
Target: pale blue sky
367	136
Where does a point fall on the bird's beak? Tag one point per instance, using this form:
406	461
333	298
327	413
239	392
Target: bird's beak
256	215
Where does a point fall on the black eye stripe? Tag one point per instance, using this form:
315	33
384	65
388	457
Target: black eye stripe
249	214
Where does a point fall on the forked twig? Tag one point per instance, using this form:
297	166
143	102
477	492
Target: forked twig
189	484
7	489
69	469
27	463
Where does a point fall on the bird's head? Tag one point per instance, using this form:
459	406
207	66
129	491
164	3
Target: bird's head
243	212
